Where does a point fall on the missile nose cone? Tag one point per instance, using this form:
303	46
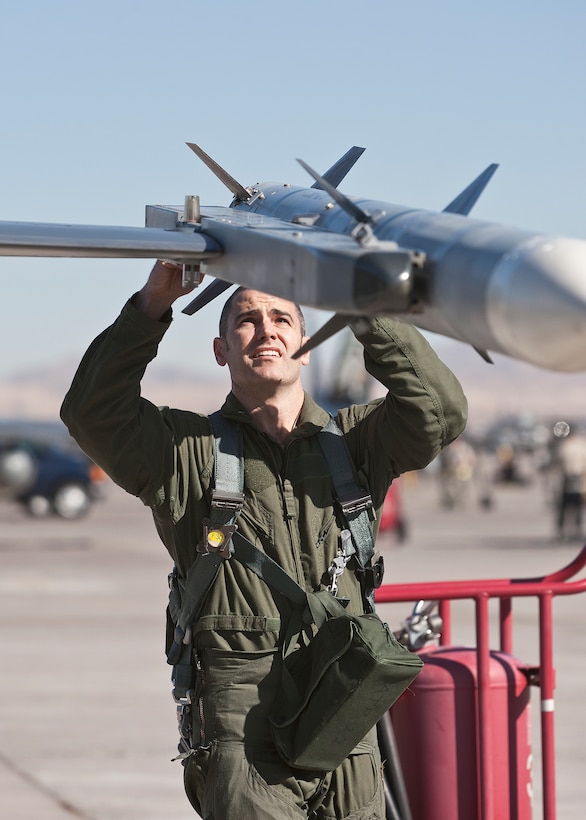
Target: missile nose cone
537	303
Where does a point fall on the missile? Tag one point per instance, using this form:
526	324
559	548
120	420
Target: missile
495	287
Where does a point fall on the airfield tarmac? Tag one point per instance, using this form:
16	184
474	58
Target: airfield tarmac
87	724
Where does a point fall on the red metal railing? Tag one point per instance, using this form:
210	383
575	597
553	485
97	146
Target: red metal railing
543	588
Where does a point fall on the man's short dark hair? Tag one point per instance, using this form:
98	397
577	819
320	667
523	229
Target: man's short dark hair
228	306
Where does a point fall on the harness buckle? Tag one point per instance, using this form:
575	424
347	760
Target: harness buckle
184	723
335	569
355	503
372	575
338	565
225	500
217	538
376	572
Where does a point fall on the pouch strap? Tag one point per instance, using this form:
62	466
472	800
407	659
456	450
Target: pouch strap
267	570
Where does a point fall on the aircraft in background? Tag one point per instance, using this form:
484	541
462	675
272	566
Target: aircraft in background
497	288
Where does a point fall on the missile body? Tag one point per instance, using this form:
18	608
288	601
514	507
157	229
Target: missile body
498	288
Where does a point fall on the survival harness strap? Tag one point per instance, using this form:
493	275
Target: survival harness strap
356	507
187	595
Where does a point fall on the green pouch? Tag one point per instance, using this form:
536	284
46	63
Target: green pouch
340	673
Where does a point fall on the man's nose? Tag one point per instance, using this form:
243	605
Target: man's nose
266	329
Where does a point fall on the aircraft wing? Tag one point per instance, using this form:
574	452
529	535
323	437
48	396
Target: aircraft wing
308	265
247	238
105	241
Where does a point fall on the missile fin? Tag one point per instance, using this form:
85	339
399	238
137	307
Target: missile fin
239	191
339	169
214	289
484	354
353	210
337	322
468	198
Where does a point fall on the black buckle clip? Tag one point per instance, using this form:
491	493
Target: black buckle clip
355	503
373	574
376	572
224	500
184	722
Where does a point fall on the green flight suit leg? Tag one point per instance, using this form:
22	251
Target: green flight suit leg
236	771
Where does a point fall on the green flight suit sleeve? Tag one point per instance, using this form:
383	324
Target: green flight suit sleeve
118	429
424	409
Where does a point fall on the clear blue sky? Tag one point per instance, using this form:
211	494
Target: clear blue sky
99	98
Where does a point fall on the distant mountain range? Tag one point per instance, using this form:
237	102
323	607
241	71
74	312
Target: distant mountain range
37	394
505	388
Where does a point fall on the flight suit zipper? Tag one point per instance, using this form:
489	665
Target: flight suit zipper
291	517
278	458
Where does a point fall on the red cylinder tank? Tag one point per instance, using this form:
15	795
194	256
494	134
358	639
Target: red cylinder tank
437	737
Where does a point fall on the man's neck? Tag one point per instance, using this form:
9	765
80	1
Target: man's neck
277	414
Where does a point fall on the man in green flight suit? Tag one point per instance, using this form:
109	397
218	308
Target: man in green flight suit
166	458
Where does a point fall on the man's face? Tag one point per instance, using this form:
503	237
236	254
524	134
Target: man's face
262	334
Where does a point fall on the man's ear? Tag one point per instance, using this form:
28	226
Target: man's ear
305	358
219	351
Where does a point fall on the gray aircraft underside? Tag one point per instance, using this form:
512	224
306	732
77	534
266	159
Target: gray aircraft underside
495	287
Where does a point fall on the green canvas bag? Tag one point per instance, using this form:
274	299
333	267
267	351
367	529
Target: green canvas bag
340	674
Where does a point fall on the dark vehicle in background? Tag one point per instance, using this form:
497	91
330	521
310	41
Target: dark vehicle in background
43	470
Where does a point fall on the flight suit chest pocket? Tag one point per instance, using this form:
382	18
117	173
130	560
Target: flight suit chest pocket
257	521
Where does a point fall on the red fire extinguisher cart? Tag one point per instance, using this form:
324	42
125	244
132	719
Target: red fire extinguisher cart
438	715
466	717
